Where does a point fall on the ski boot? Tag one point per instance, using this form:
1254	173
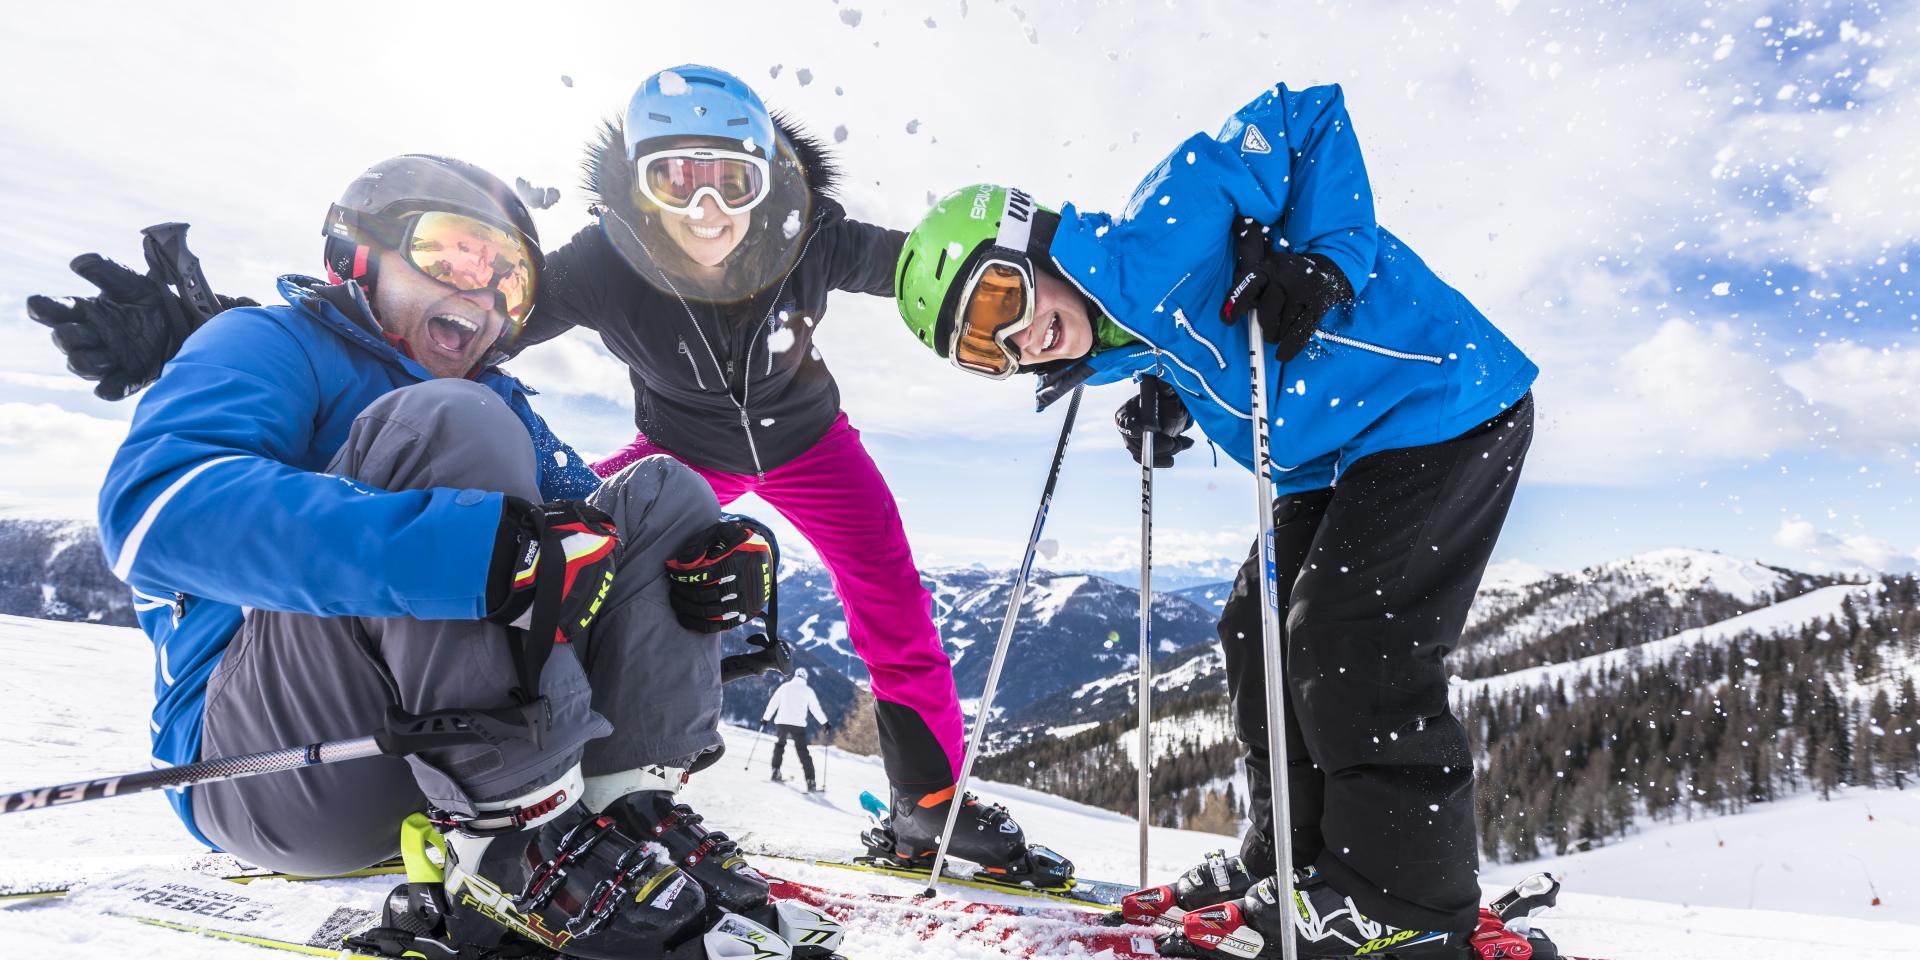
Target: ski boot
1217	879
544	868
909	835
713	860
1325	924
414	927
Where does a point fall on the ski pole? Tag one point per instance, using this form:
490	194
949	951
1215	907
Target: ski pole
1270	642
756	746
1149	417
405	734
1000	649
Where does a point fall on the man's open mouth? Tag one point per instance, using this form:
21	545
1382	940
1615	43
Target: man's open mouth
1053	334
452	334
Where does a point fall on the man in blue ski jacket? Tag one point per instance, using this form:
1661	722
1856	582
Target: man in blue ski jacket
337	508
1400	417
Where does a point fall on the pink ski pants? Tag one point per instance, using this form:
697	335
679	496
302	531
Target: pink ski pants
835	496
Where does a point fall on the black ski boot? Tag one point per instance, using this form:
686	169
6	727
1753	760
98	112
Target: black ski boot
1325	924
714	862
1217	879
708	856
984	834
543	867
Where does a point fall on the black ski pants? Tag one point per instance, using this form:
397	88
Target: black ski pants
799	737
1375	577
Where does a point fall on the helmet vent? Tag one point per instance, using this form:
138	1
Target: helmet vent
940	265
659	117
737	122
906	263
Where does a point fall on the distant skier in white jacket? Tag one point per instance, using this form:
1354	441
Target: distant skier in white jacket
787	709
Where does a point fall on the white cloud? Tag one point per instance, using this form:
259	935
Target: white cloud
1870	394
1853	551
47	450
575	365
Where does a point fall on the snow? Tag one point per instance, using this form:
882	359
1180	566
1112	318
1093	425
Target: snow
1045	600
1776	618
86	690
1679	570
1512	575
1800	854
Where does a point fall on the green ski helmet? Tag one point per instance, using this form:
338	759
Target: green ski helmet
965	281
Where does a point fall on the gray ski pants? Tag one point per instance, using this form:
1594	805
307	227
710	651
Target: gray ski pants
291	678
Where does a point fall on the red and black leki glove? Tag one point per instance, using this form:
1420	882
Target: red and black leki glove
1292	291
517	590
721	578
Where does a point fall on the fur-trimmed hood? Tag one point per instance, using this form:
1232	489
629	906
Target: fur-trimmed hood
804	176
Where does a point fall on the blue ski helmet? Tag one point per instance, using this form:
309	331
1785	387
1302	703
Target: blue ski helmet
698	101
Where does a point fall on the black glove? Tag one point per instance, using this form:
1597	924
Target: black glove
1166	418
1292	291
721	578
519	589
122	338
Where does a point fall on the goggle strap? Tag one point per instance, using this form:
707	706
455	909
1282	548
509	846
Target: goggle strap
1016	221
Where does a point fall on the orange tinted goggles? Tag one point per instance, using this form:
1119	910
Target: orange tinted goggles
996	303
469	254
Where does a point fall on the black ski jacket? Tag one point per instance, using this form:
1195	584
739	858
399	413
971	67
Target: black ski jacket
729	379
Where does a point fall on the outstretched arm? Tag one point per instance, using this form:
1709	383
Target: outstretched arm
858	257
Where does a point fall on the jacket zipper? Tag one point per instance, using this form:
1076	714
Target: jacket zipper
1180	320
1371	348
698	380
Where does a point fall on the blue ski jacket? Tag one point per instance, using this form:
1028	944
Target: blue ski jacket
218	502
1408	362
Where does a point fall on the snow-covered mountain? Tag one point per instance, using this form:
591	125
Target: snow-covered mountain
1073	628
53	569
1525	616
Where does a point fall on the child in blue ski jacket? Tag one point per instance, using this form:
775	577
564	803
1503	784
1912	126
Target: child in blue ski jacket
1400	416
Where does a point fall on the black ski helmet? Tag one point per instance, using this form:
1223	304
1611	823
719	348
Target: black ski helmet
362	222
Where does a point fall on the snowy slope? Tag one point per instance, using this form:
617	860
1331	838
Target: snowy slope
1783	616
1530	603
84	691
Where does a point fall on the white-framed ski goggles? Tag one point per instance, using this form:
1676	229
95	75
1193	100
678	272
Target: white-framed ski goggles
675	180
996	303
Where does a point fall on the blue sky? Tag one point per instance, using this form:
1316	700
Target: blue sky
1700	220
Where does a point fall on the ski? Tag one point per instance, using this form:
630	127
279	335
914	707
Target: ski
310	923
217	866
317	922
1091	894
1019	930
1097	894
